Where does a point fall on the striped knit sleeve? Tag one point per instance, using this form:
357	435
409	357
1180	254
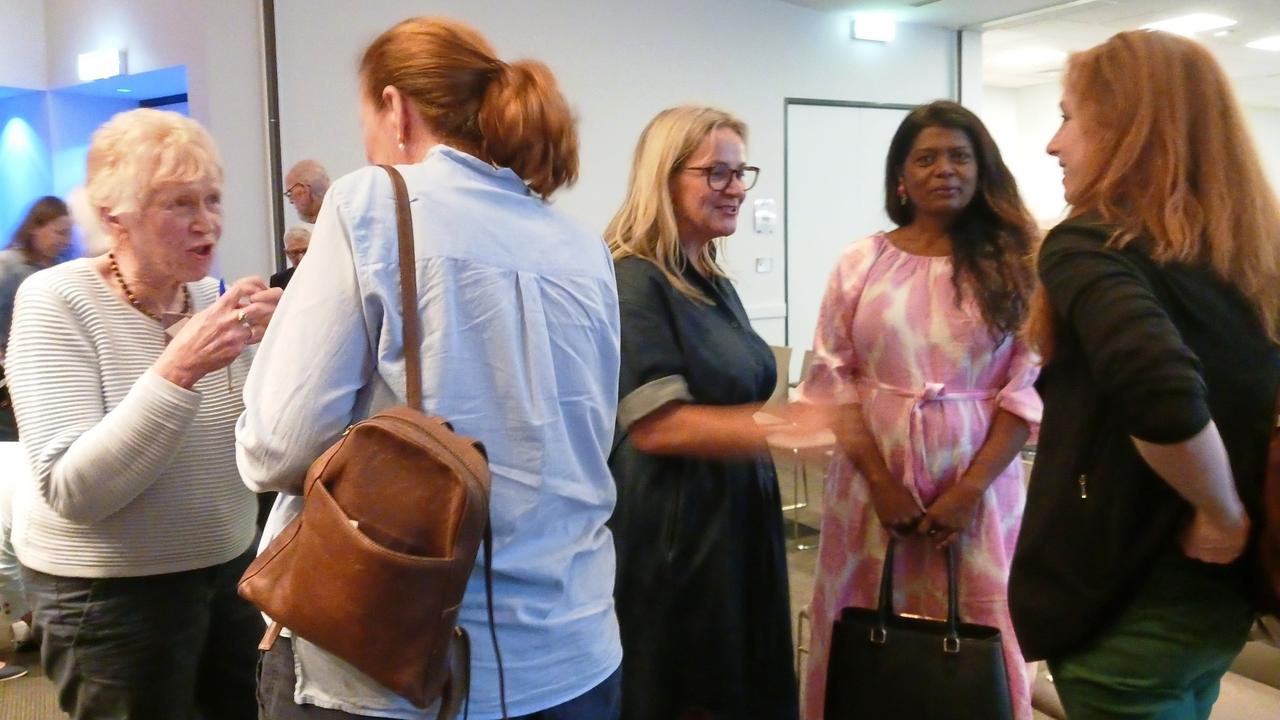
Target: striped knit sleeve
87	462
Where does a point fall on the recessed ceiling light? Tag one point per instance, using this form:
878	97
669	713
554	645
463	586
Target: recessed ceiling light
1191	24
1267	43
877	27
101	64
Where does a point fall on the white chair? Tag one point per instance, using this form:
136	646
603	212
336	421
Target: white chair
799	450
781	358
806	362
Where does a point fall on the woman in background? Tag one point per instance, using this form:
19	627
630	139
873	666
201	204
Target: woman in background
918	347
42	236
1160	322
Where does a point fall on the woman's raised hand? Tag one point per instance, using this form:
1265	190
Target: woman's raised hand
214	337
261	308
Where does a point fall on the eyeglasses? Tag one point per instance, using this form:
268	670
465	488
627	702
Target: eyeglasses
292	189
720	175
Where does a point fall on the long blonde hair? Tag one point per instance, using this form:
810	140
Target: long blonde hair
645	225
1173	163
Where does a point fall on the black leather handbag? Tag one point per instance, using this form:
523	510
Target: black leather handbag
885	665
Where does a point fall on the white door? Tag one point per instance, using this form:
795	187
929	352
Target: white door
835	196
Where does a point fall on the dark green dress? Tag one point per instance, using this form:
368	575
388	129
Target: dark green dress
702	592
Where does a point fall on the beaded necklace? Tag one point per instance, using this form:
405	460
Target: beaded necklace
133	300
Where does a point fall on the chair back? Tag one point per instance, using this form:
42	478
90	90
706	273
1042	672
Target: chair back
781	358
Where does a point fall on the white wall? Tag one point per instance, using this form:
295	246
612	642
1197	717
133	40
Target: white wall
219	41
619	62
22	44
72	121
1265	123
972	92
1023	120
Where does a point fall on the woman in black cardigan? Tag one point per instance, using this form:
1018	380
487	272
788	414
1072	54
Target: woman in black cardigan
1158	316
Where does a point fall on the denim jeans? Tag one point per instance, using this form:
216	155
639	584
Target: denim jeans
1163	657
276	682
178	646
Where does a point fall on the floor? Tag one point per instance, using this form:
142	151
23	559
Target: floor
32	698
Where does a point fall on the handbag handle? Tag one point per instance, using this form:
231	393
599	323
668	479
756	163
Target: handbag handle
884	612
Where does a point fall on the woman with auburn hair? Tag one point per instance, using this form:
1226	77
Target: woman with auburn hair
1159	315
133	527
519	318
702	572
917	348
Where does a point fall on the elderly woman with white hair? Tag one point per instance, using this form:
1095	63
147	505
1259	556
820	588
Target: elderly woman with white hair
126	372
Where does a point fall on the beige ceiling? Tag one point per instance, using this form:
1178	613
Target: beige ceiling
946	13
1256	73
1011	27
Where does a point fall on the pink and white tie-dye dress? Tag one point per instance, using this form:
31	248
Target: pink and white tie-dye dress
930	378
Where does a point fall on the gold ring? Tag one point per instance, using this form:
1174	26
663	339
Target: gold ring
241	317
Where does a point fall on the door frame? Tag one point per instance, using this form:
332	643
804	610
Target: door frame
786	186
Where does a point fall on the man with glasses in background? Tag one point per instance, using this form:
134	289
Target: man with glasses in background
305	185
296	241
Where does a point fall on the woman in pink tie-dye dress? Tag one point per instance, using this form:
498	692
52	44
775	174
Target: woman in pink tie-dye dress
917	342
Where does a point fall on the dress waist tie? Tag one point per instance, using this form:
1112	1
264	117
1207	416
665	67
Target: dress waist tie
916	463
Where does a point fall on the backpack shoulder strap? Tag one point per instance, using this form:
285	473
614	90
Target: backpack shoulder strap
408	293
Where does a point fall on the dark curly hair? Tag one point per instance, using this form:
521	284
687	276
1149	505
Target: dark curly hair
992	240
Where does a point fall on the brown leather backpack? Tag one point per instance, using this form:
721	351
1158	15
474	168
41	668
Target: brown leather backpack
393	516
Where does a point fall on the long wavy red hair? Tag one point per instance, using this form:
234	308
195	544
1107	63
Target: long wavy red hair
1173	163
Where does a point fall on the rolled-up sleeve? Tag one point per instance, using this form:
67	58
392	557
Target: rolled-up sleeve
1134	352
833	374
653	371
1019	396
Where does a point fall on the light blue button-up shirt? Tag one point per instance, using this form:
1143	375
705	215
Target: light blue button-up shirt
520	350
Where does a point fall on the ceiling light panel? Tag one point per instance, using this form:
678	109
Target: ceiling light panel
1191	24
1267	43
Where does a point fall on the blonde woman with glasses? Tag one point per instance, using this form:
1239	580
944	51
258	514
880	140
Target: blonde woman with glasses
702	579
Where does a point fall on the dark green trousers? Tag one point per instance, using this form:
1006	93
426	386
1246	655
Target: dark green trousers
1163	657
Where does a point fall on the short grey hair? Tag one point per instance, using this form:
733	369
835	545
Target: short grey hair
301	232
313	174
